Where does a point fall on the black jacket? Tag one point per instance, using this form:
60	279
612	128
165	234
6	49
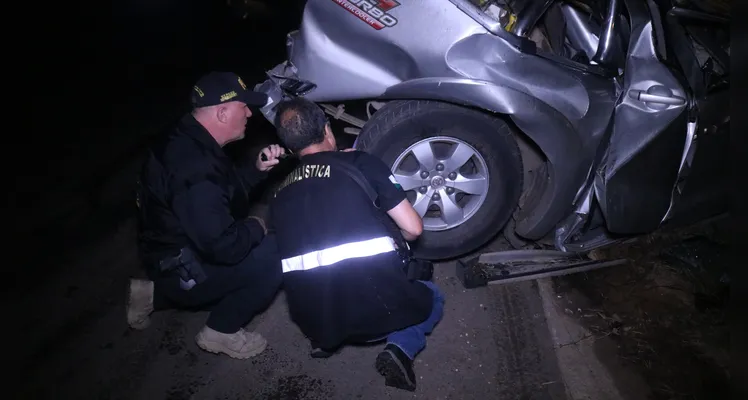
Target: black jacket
319	207
191	194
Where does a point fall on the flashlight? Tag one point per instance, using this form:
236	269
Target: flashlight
264	157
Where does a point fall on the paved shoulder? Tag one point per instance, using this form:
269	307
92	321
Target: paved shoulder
492	343
528	367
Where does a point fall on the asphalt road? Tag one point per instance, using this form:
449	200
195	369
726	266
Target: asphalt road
73	342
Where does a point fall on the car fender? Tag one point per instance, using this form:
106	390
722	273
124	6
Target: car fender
547	127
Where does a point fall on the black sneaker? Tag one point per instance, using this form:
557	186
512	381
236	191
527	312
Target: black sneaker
396	368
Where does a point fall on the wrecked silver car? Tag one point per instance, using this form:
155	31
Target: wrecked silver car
566	124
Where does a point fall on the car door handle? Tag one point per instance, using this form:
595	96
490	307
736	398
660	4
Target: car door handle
656	98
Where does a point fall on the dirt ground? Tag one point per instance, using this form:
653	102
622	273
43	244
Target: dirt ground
666	311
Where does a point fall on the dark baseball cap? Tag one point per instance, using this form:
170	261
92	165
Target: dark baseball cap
218	87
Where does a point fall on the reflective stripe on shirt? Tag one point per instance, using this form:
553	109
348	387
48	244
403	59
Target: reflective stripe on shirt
332	255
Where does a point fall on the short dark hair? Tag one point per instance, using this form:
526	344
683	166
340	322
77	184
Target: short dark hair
300	123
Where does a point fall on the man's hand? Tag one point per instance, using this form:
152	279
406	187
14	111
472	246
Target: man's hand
271	154
262	223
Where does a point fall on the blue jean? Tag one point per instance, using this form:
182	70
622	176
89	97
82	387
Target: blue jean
412	339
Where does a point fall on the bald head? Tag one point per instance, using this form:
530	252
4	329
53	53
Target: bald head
290	119
301	125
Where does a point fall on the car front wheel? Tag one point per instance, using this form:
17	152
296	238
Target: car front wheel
461	169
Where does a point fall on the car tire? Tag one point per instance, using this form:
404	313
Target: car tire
400	124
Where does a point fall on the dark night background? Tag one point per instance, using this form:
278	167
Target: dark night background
111	96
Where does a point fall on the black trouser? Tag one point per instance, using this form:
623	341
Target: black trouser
233	294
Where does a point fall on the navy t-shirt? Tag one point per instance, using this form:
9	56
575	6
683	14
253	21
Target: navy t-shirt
319	207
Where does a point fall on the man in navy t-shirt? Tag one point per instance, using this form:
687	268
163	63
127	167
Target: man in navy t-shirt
343	271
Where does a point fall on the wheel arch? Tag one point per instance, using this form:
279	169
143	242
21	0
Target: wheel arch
544	126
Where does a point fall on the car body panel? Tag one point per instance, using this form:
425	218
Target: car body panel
611	136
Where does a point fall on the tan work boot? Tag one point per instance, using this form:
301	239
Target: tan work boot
139	303
241	344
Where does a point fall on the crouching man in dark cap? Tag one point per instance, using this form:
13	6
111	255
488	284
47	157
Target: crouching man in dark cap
200	246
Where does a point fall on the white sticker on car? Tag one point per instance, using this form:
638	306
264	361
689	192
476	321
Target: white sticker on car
393	180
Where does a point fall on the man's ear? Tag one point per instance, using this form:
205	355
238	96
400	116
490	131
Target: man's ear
328	130
329	136
222	114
